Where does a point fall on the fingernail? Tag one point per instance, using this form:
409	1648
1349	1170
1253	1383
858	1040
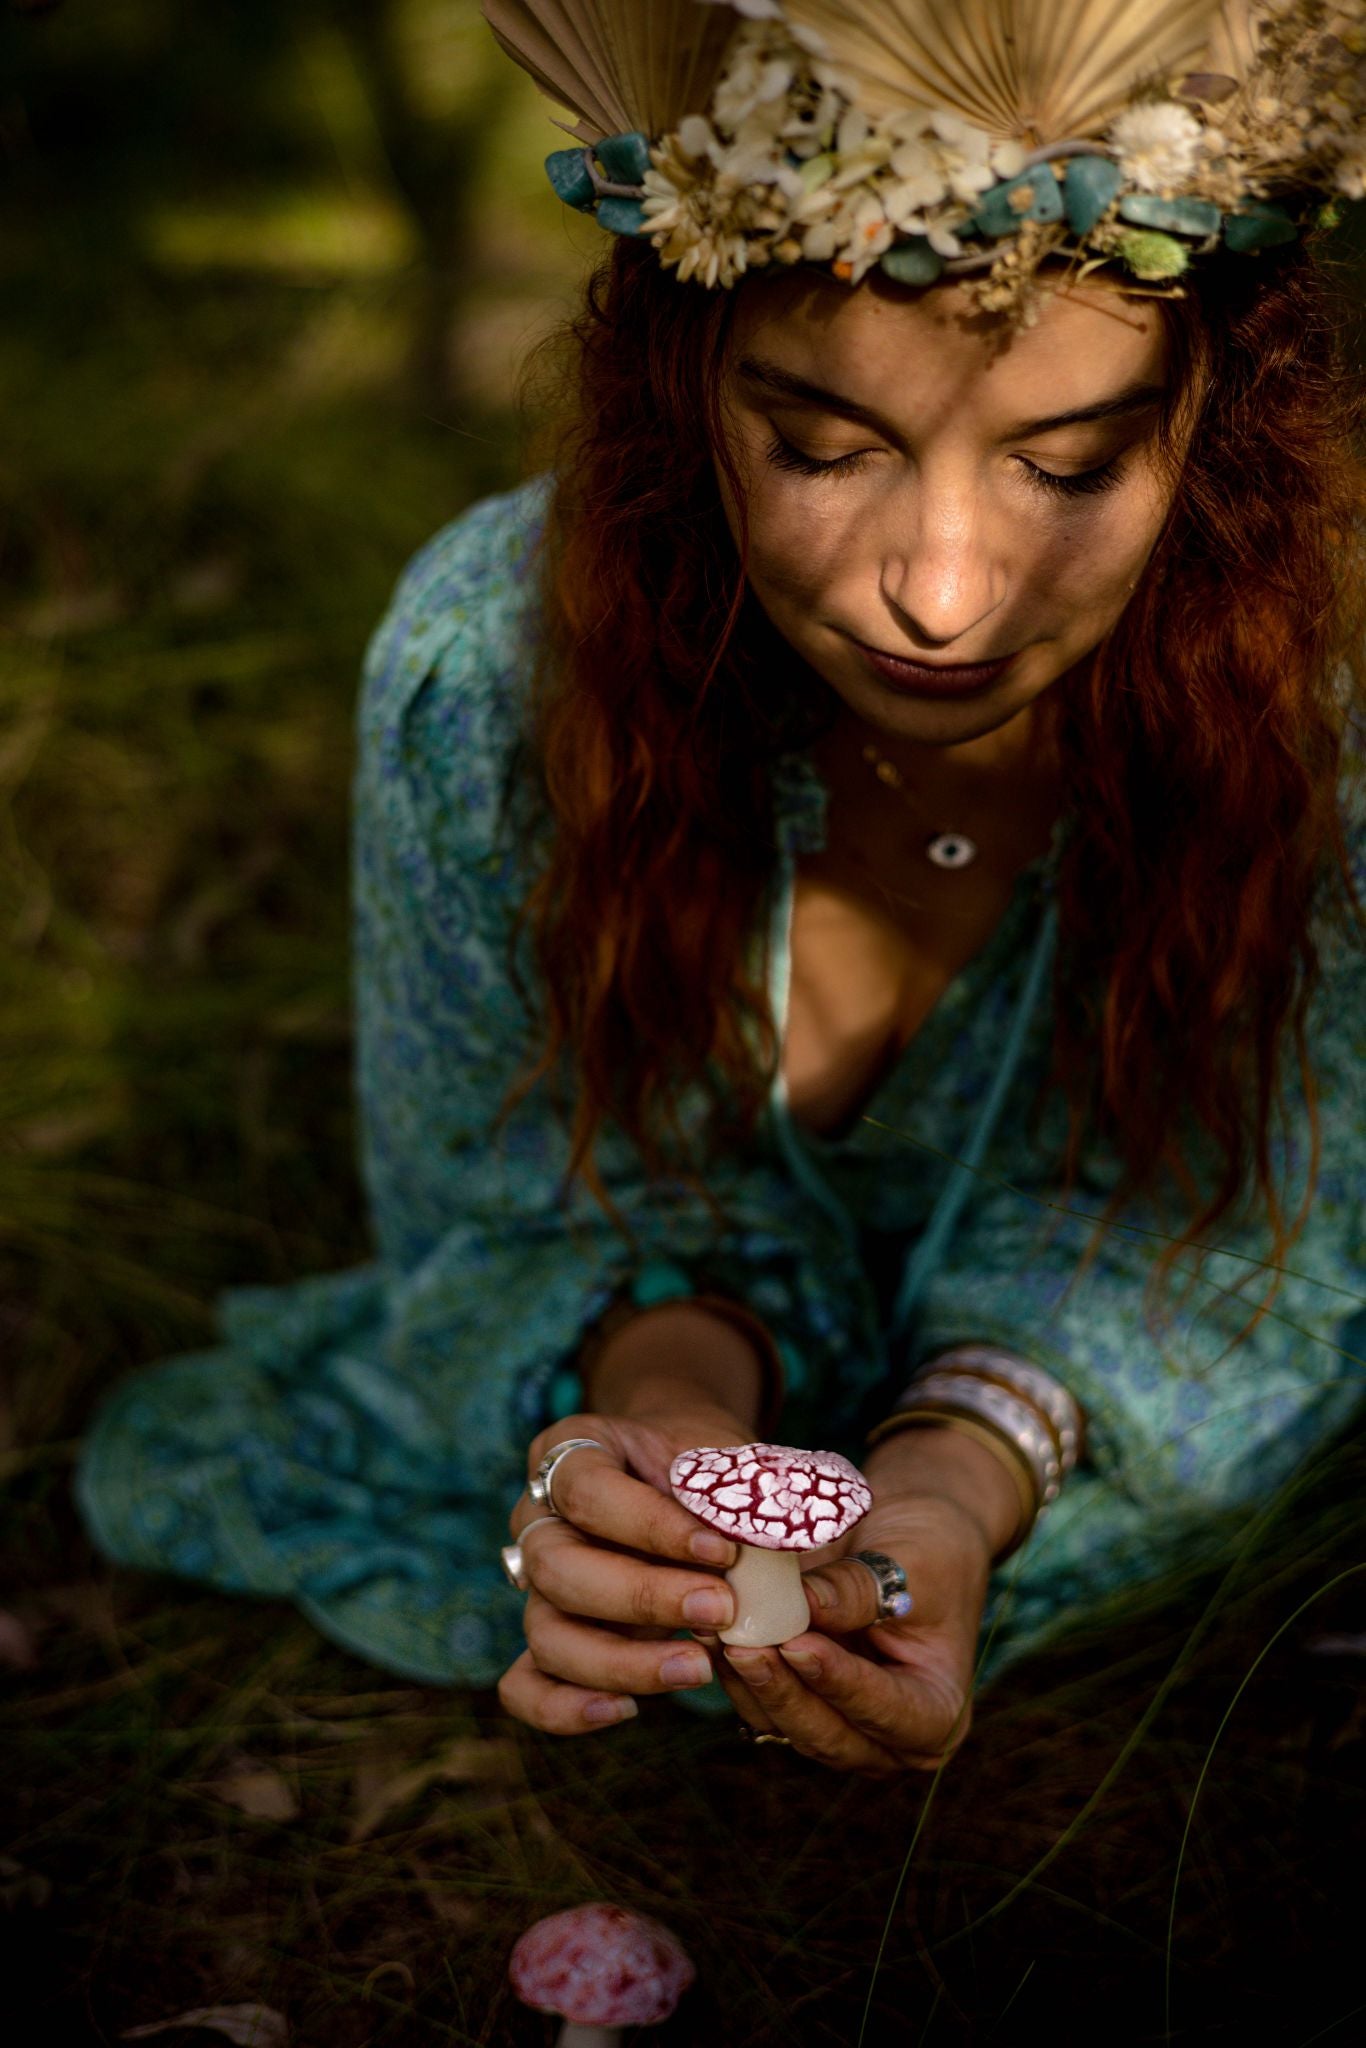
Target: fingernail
804	1662
826	1596
710	1549
750	1666
709	1604
686	1667
602	1711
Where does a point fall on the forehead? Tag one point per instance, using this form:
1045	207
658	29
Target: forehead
903	352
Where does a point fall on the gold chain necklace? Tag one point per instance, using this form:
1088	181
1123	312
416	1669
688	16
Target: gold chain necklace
945	849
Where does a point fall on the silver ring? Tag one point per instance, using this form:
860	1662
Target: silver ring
894	1602
748	1734
512	1560
538	1489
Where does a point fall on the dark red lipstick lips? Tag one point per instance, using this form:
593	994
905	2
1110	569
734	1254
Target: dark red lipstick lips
934	679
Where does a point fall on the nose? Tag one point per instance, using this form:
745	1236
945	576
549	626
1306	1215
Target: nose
941	578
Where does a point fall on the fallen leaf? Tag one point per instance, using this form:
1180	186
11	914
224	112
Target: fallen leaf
261	1792
466	1761
251	2026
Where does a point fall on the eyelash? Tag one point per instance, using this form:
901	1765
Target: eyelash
1084	483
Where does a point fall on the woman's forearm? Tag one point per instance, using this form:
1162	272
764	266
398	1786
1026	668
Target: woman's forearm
677	1358
944	1462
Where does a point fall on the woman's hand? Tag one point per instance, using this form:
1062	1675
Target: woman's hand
887	1698
612	1579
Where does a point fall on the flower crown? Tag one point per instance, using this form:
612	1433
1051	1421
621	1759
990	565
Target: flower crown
968	140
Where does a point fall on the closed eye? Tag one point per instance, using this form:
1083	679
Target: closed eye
1081	483
783	455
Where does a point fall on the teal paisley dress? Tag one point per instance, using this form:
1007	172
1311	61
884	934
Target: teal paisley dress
354	1440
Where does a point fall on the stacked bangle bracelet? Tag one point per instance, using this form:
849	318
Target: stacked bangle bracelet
1016	1411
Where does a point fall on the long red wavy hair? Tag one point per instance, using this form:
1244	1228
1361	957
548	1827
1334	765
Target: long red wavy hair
1203	745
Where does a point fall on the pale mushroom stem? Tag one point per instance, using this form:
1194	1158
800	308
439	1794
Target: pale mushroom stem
573	2034
770	1605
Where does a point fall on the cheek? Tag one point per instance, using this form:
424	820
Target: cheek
807	542
1085	566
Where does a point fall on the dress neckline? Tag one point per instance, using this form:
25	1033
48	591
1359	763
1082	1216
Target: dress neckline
1035	881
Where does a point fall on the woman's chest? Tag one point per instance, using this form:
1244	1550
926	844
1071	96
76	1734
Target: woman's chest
866	969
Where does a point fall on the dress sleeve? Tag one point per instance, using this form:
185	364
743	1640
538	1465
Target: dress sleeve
1194	1426
497	1273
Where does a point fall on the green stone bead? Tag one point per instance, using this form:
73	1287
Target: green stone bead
624	158
912	262
1151	255
996	216
1089	184
1171	216
1261	227
568	173
621	216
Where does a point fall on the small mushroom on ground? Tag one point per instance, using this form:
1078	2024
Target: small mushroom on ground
775	1502
600	1969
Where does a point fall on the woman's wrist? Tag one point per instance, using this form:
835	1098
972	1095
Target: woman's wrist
677	1358
943	1461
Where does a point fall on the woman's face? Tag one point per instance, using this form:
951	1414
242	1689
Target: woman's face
918	492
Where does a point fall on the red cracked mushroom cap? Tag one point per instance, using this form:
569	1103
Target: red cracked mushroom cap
771	1495
602	1967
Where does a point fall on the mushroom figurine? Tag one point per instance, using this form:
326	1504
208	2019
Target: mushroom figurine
775	1502
600	1969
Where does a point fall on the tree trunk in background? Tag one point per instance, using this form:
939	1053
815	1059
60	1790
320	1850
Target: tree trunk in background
434	163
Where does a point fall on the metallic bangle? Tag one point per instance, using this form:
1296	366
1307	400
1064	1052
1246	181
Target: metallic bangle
1005	1452
1009	1414
1016	1418
1060	1409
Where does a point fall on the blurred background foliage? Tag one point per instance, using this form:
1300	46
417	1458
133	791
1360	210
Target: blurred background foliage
269	271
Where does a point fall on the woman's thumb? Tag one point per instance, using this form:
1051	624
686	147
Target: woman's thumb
846	1596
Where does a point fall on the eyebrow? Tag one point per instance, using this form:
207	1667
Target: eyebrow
783	383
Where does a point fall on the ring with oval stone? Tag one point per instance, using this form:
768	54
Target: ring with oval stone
539	1488
894	1601
511	1559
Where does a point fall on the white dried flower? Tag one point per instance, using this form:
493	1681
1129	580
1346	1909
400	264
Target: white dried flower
821	240
942	239
753	79
1158	144
697	218
1007	159
696	137
852	133
917	169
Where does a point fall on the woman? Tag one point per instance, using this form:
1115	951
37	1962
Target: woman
851	881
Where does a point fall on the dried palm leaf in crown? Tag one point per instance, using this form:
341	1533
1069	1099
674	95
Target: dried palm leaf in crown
959	138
